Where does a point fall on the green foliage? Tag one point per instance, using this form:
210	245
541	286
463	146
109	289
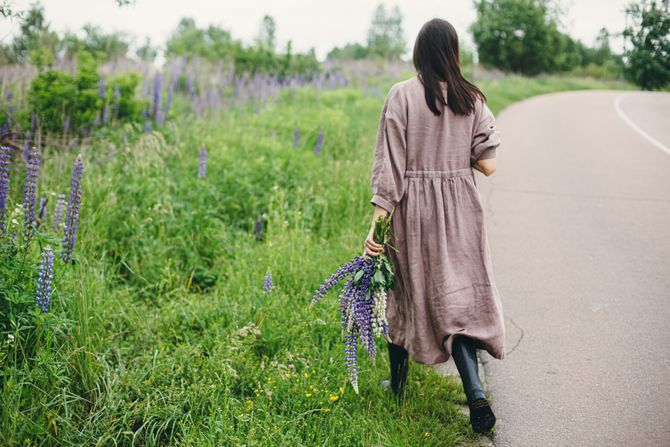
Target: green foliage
386	37
350	51
56	96
517	36
102	46
216	44
35	37
648	60
147	52
161	335
522	36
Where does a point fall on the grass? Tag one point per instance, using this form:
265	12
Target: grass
160	333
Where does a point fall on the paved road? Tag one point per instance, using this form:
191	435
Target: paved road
578	217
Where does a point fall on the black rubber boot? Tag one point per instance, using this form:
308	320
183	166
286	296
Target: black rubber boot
399	358
465	357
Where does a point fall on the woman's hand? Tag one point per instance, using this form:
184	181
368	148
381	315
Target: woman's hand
371	247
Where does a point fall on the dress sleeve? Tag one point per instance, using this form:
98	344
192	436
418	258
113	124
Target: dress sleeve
485	137
388	172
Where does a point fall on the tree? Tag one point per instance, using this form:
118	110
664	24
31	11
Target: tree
348	52
34	35
266	34
385	35
103	46
519	36
147	52
647	62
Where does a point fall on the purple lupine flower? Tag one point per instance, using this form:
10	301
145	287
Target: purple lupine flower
5	158
72	214
319	142
29	190
147	126
105	114
296	137
58	212
101	88
357	304
66	124
42	211
202	162
26	149
117	98
157	95
351	352
45	280
348	268
258	229
267	282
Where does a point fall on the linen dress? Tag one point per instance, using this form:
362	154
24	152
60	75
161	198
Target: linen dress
444	284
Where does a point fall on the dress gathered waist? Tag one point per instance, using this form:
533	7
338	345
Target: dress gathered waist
447	173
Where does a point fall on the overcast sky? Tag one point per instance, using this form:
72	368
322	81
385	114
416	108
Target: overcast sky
321	24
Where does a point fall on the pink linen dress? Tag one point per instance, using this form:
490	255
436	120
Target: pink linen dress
443	274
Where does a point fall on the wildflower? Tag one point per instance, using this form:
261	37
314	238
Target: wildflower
58	212
73	205
42	210
308	394
362	301
10	338
32	170
202	162
258	229
147	126
319	142
66	124
305	375
333	397
267	282
296	137
326	410
5	157
101	88
291	366
105	114
44	280
157	95
117	97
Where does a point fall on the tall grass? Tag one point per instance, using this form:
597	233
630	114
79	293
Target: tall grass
161	334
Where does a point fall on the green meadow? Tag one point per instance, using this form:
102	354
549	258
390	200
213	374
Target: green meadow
161	333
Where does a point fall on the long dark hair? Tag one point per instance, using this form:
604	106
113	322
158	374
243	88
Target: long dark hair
436	59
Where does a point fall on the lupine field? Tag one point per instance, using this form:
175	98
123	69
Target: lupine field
159	249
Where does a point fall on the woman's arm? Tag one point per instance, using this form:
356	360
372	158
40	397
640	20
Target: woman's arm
371	247
486	167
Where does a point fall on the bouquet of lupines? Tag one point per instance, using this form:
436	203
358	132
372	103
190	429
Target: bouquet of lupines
363	299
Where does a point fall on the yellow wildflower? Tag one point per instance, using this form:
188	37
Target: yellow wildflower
308	394
333	397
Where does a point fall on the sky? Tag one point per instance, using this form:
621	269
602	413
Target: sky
321	24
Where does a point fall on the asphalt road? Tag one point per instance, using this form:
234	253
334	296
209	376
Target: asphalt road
578	219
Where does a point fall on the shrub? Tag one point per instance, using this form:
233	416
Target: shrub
63	102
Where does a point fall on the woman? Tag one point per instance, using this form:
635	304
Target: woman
434	129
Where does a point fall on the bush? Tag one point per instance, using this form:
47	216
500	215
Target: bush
64	102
